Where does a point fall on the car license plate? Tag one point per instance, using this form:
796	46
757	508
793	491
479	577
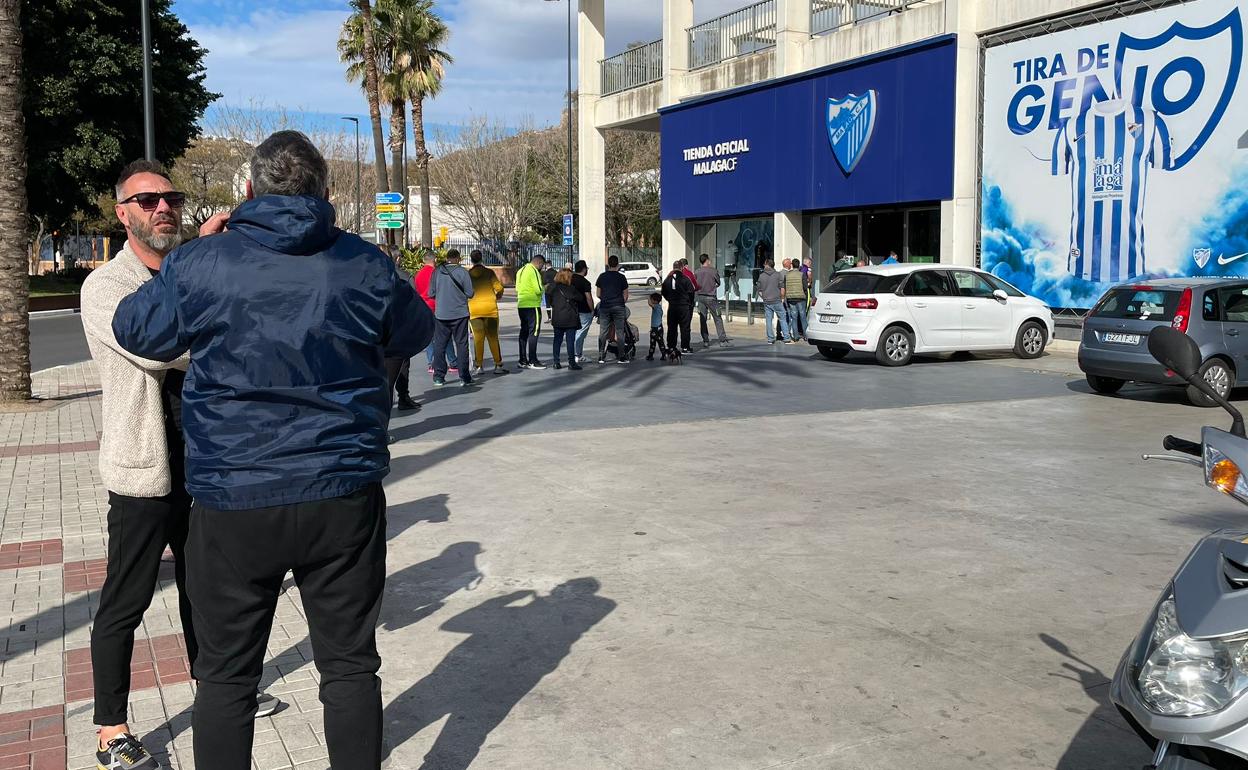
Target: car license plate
827	318
1121	339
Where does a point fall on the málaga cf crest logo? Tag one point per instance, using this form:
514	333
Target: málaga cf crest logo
851	119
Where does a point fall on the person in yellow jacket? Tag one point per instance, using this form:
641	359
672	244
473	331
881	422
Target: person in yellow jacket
529	291
483	313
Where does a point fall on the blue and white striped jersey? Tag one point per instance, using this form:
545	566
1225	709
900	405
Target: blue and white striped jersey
1107	151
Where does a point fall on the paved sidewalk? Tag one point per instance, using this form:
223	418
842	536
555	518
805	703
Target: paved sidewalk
52	558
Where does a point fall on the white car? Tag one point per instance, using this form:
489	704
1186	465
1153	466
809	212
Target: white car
896	311
641	273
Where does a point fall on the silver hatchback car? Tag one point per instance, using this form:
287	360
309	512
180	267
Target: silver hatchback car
1213	311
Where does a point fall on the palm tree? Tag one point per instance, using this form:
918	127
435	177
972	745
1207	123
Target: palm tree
14	279
419	66
357	45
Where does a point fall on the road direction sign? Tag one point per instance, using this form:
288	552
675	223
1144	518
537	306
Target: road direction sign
567	230
385	216
389	225
389	197
390	207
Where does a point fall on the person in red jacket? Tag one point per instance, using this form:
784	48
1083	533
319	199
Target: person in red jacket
684	268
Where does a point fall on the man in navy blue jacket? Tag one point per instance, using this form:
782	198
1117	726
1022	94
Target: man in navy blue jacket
288	321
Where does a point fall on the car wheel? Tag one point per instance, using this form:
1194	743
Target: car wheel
1217	373
895	348
652	282
1105	385
833	354
1030	340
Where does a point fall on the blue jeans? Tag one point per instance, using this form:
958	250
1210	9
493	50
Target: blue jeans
451	354
582	333
777	310
797	318
562	336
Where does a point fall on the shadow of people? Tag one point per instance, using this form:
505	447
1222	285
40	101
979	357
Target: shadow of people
432	509
514	641
416	592
428	425
1103	741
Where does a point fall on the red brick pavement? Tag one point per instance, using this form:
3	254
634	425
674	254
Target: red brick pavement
30	554
84	575
48	449
33	740
159	660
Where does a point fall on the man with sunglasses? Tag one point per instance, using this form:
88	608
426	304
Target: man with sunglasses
141	458
289	322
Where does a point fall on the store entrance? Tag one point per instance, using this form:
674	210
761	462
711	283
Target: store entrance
883	232
833	239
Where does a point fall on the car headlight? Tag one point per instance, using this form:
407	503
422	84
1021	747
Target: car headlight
1224	475
1182	676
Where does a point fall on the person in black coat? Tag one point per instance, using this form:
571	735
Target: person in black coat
564	301
679	292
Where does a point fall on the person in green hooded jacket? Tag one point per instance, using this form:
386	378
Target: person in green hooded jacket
529	291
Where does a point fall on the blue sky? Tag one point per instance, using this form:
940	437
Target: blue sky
509	54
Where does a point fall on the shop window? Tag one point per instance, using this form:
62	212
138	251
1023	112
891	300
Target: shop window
923	235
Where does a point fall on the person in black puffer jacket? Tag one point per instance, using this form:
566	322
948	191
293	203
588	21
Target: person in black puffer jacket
678	290
563	299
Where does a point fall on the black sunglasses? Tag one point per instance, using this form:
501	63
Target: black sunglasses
148	201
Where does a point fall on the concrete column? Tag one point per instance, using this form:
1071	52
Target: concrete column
792	35
592	148
675	244
789	241
677	19
958	217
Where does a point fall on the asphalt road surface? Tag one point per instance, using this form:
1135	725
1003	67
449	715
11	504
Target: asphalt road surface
56	339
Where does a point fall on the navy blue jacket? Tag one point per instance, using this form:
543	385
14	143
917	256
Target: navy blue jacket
288	320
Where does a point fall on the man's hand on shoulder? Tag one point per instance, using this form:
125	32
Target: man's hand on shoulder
215	224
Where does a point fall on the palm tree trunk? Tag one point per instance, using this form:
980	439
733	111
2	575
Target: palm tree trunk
422	172
370	89
14	280
398	138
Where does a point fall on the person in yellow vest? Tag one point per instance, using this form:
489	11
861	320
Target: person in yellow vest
528	303
483	313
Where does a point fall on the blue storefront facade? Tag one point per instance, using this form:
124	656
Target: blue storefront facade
862	150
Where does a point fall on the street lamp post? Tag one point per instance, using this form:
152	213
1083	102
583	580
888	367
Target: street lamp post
359	202
570	2
149	125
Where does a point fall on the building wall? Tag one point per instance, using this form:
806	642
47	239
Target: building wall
968	19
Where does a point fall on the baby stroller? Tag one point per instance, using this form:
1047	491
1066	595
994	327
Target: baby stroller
630	343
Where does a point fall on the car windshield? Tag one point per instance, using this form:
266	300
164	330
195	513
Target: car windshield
1139	303
863	283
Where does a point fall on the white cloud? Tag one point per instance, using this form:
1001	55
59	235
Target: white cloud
509	56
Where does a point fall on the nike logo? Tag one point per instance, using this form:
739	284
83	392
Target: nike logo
1228	260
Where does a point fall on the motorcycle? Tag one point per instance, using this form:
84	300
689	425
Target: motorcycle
1179	684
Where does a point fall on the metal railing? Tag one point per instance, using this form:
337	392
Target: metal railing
633	68
828	15
744	31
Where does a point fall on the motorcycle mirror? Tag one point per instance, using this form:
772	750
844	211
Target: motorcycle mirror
1175	350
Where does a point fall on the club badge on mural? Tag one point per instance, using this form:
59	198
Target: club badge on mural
851	121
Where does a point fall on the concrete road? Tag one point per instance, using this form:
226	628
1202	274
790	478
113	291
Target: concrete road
828	565
56	339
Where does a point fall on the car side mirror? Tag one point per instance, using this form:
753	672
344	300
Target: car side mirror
1001	295
1175	350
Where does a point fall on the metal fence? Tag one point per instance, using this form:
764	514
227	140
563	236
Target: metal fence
741	32
635	67
829	15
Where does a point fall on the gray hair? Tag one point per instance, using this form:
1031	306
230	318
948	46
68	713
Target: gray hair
287	163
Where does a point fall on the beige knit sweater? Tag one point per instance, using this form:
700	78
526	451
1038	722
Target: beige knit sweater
134	457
